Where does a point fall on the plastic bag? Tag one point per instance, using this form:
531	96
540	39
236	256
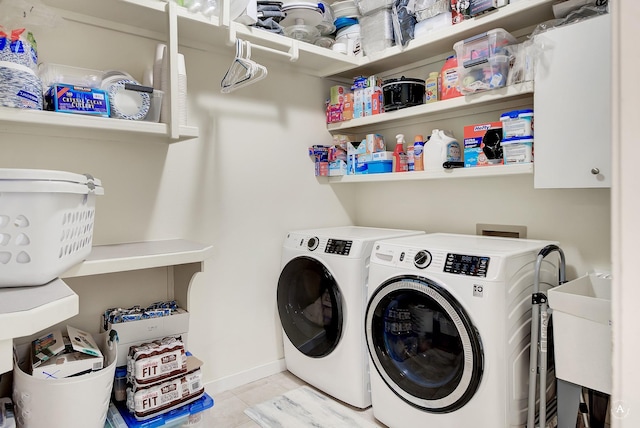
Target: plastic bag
404	21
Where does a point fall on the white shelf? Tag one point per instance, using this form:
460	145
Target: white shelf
139	255
197	31
477	172
27	310
52	124
459	105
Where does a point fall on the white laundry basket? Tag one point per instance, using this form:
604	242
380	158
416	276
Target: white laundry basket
46	223
73	402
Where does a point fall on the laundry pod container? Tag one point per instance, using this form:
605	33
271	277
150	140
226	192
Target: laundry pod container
46	223
68	402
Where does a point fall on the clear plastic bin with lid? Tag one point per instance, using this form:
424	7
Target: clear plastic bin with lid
483	60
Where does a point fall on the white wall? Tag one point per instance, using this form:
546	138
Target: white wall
244	183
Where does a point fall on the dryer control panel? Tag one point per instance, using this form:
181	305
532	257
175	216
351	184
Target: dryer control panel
338	246
466	265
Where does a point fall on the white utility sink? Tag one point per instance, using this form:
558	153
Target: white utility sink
581	319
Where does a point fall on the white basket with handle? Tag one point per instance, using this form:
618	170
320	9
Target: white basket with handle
46	223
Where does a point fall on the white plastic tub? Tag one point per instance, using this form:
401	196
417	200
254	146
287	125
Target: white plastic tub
582	331
46	223
69	402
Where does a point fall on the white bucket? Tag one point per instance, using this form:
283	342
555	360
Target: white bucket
73	402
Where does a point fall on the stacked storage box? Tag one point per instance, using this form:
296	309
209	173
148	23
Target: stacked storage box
376	25
157	383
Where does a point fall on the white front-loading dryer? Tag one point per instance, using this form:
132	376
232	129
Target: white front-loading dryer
321	297
447	328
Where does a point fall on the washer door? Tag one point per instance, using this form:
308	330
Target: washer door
423	344
310	306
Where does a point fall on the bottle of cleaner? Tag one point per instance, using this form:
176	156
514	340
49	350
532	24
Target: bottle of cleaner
418	148
399	156
431	87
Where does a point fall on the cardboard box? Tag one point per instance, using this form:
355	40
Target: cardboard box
476	137
338	93
46	347
478	7
354	148
67	365
375	143
82	355
337	168
136	332
347	107
77	99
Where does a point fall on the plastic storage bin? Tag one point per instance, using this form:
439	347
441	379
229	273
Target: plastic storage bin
582	331
64	402
483	60
376	31
190	415
46	223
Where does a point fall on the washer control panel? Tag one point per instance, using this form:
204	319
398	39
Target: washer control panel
466	265
338	246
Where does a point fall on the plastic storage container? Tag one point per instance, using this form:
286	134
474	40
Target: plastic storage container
376	30
483	60
190	415
46	223
582	331
64	402
517	123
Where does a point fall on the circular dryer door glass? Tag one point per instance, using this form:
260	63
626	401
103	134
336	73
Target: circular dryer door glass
423	344
310	306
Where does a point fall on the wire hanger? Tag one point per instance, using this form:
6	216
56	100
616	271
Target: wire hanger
243	71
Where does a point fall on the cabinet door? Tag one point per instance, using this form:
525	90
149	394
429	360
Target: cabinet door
572	105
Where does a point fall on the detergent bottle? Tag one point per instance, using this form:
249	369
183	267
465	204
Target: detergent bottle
437	149
399	155
418	149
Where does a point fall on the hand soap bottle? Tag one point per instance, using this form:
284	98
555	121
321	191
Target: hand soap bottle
399	156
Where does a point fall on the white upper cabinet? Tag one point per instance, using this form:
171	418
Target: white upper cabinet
572	103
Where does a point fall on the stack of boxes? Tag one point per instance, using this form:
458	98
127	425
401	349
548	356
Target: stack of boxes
517	129
363	98
156	378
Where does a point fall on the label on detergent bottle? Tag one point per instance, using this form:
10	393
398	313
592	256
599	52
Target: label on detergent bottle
418	149
454	152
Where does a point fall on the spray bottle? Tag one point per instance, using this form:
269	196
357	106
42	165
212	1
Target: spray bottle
399	156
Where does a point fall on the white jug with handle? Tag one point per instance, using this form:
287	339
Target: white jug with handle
441	147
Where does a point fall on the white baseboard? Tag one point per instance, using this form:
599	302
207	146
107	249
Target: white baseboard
243	378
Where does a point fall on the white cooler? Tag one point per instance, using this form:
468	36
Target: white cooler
46	223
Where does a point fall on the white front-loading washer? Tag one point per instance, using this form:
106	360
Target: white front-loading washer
321	297
448	329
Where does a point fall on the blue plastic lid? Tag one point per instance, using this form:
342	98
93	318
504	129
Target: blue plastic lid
344	22
516	113
203	403
513	140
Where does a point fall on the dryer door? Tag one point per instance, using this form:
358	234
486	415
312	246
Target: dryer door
310	306
423	344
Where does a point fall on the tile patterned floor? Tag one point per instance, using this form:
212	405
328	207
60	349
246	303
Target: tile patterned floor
228	410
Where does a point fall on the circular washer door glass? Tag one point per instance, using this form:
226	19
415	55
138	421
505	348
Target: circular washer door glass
423	344
310	306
